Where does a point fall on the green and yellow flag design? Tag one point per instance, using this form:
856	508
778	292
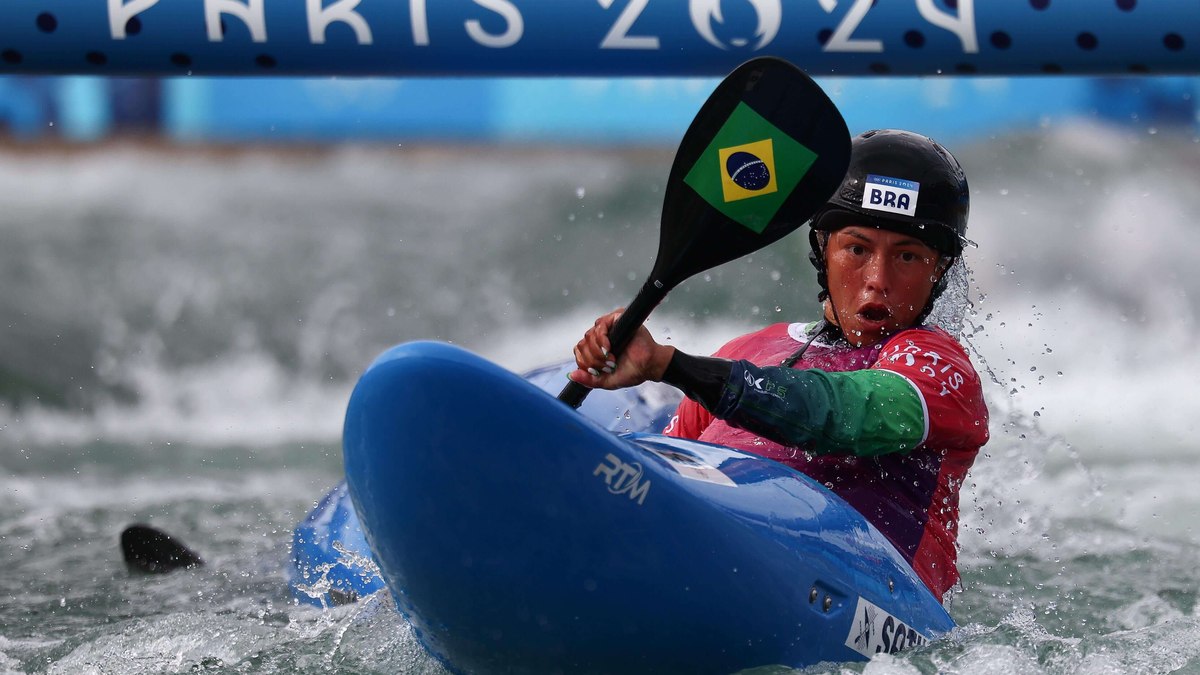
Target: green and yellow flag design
749	169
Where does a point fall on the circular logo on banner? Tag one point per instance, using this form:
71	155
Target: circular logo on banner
705	13
747	171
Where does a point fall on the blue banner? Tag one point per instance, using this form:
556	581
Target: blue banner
597	37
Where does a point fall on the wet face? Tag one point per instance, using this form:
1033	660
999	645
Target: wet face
879	281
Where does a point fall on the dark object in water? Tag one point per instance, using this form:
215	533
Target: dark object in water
153	551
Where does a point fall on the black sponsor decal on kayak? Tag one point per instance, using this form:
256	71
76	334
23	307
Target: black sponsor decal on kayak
874	631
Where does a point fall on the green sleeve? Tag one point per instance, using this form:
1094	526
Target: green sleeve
862	412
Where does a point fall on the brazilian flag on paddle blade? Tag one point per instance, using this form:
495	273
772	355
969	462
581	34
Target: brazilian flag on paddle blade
749	169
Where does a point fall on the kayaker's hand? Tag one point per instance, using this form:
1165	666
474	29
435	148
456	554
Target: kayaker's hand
643	358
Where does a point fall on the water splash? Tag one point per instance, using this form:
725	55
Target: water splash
322	588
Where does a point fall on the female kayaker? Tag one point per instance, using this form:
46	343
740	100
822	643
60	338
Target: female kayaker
882	408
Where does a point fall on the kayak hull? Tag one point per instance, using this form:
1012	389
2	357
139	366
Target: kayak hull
331	561
519	536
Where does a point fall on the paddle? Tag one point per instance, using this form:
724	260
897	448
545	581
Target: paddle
152	551
766	150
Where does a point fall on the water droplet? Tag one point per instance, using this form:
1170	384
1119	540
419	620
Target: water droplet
580	192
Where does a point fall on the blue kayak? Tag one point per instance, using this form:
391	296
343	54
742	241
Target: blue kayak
518	535
331	561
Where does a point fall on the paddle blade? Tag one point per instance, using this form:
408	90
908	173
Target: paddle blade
764	153
152	551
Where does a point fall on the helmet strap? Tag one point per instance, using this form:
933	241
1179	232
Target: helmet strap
837	321
817	241
816	256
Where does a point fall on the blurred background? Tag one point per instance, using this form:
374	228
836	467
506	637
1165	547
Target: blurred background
545	111
160	231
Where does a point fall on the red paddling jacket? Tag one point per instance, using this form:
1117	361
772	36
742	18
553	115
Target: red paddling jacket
891	428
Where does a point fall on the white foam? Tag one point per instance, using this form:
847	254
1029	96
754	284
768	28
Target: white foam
238	398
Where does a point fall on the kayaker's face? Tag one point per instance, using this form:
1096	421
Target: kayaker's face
879	281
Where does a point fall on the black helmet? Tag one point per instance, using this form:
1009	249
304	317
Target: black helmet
905	182
898	181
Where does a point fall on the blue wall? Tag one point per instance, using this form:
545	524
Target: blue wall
599	110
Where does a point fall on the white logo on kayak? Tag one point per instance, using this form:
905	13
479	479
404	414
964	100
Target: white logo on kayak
695	468
623	479
874	631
